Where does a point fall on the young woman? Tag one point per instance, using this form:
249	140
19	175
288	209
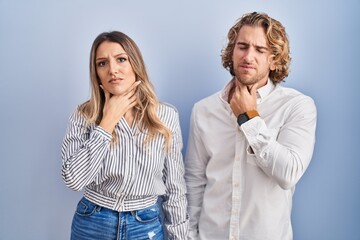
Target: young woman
123	147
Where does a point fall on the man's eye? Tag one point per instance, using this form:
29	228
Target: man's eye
243	47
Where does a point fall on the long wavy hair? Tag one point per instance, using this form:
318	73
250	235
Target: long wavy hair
276	38
147	102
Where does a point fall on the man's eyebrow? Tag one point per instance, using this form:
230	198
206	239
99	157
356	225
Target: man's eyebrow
256	46
242	43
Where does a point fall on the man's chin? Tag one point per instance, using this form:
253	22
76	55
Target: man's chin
246	81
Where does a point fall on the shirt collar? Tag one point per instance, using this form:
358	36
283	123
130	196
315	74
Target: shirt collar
225	91
264	91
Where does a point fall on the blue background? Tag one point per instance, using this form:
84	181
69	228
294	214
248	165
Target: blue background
44	52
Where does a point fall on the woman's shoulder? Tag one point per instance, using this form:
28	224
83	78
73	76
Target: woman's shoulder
167	111
167	107
78	114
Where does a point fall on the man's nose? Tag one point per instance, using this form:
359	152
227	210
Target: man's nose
249	55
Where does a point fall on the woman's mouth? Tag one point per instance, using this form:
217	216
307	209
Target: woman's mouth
115	80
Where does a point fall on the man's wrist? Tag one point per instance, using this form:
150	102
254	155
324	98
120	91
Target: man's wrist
246	116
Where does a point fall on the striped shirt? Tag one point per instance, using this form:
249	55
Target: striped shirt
126	174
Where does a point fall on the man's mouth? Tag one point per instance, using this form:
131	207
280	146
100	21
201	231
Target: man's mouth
247	66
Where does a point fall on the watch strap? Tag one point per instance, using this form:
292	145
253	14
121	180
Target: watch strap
251	114
246	116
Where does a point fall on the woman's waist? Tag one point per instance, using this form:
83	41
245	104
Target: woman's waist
120	202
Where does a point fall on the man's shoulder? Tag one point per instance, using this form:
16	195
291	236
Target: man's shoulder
208	106
206	101
290	93
292	97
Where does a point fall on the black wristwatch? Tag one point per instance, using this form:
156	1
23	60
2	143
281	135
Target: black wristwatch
246	116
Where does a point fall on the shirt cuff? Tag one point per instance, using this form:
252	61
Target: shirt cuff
254	132
193	234
100	132
251	128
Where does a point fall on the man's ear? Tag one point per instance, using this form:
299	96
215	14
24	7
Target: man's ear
272	66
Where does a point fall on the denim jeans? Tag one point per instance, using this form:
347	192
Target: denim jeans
92	222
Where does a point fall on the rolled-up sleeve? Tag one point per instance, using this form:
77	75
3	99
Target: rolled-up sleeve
286	155
83	150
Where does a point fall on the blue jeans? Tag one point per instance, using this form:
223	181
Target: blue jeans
92	222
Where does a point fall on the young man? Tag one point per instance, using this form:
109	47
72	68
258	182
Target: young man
250	143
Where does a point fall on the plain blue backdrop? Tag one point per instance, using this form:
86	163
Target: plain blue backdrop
44	52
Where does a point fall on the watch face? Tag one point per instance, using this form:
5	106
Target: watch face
242	118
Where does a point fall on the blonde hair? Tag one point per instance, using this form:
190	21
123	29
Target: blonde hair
147	102
276	38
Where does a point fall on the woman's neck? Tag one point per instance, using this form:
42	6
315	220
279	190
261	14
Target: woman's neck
130	117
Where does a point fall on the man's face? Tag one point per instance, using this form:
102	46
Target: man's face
251	56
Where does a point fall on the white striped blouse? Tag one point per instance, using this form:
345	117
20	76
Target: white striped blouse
127	175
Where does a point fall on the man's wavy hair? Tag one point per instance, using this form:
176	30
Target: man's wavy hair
276	38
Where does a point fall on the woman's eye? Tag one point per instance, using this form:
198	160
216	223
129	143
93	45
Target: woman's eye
101	64
121	59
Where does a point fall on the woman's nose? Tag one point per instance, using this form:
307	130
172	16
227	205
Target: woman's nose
113	68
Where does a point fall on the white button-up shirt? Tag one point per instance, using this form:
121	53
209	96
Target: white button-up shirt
240	180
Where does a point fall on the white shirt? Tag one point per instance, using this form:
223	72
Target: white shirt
127	175
240	180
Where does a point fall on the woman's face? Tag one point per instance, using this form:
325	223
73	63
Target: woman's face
113	68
